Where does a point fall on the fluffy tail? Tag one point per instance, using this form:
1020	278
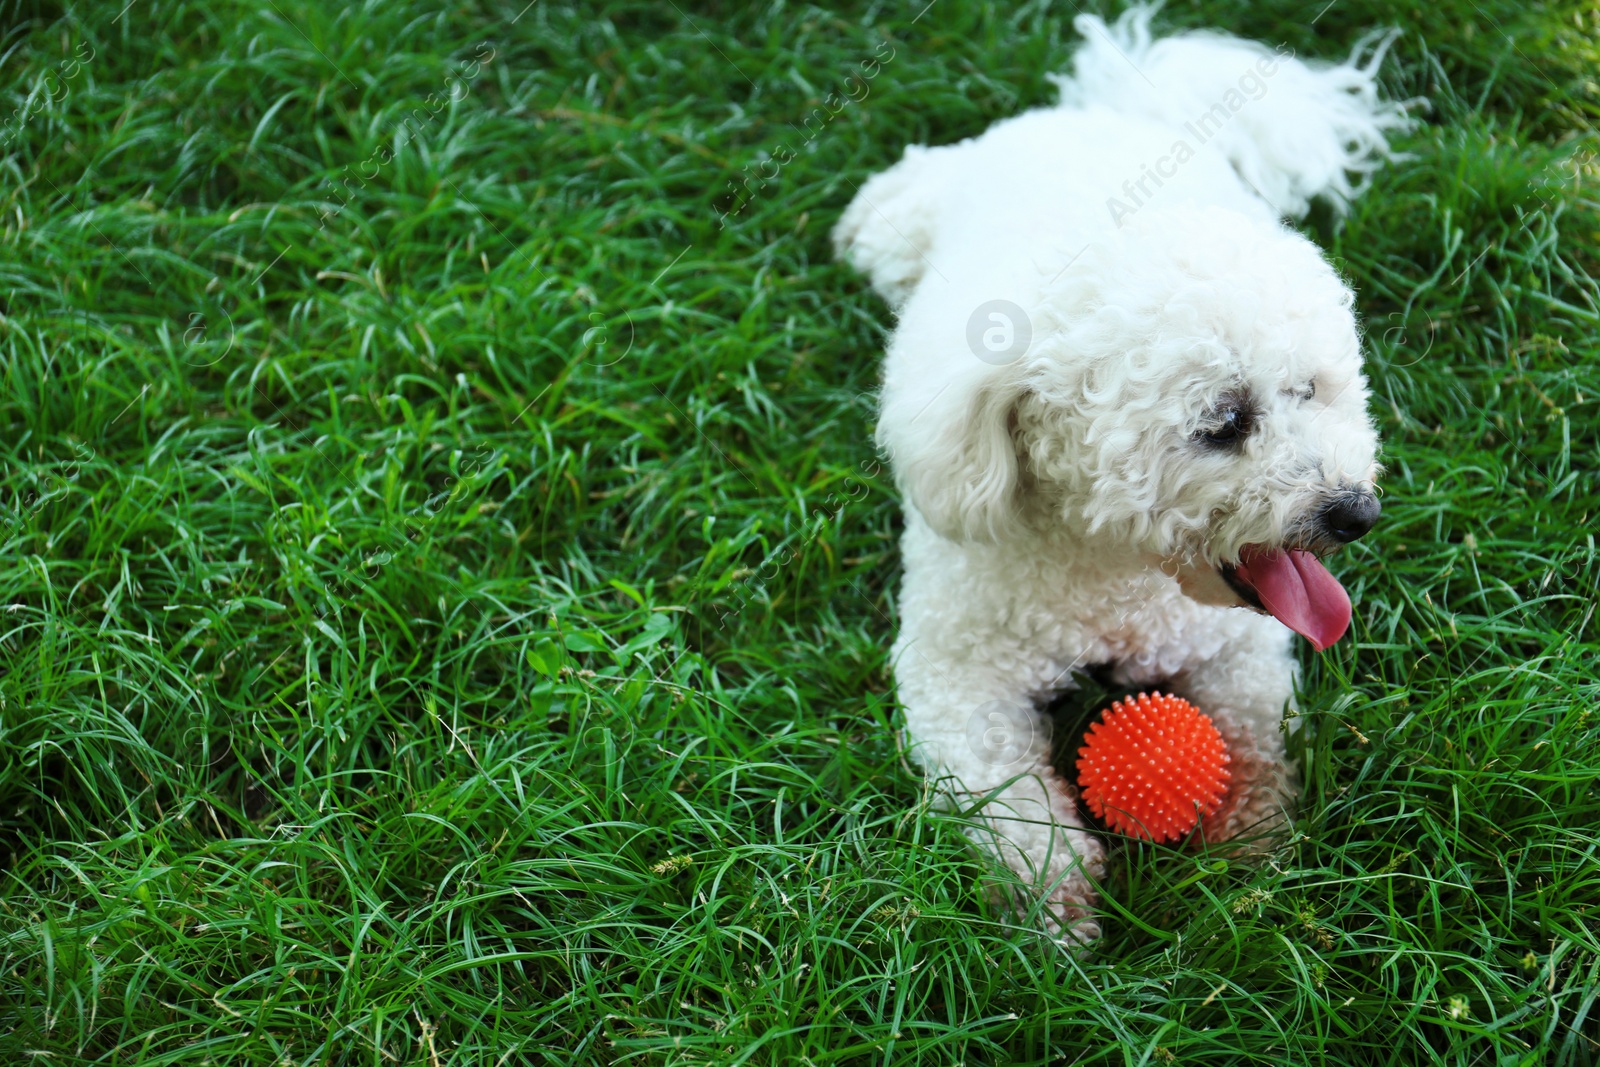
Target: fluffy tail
1293	130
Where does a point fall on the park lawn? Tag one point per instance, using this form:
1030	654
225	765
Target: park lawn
447	577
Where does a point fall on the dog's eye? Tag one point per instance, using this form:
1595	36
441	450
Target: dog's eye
1235	427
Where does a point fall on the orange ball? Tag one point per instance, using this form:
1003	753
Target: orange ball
1153	766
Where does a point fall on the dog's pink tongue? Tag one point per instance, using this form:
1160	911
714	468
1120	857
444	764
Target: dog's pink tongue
1299	592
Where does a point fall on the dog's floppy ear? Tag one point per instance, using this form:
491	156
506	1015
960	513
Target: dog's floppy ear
887	231
950	440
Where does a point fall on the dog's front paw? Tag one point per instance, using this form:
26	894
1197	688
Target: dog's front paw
1069	917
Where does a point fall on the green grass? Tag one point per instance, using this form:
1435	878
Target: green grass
446	586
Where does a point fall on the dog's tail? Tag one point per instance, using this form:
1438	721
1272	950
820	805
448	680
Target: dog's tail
1295	131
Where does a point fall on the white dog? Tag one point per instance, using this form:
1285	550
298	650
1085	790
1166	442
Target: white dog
1124	405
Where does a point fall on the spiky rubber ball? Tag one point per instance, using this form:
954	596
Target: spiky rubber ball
1152	767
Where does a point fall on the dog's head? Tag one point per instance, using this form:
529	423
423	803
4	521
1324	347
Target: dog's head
1190	391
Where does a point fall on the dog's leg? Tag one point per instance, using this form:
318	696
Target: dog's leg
978	731
1245	689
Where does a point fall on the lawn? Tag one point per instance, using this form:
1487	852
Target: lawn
447	577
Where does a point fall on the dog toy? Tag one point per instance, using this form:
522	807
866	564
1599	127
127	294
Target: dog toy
1152	767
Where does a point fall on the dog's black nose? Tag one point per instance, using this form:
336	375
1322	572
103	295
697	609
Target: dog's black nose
1351	515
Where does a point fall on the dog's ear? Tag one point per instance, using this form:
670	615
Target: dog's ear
887	230
953	448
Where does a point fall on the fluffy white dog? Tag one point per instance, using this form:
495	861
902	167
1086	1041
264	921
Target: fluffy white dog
1124	405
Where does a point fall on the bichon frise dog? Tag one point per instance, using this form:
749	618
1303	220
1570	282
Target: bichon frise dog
1125	407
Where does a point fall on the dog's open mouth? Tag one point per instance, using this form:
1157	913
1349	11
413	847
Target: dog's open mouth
1294	587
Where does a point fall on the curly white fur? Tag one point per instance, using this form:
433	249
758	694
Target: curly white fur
1063	507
